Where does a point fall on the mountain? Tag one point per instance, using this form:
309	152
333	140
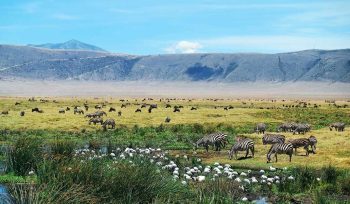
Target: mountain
69	45
309	65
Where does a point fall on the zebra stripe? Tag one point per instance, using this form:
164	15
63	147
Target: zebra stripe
215	139
273	139
243	144
301	142
282	148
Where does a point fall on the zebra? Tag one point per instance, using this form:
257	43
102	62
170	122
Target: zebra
313	142
285	127
273	138
242	144
215	139
260	128
281	148
301	128
301	142
95	120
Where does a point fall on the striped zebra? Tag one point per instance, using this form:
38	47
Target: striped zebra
273	138
313	142
216	140
242	144
281	148
301	142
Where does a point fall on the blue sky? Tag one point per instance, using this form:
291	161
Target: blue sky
179	26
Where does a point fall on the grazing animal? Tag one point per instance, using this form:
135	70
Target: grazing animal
313	142
119	113
301	128
5	112
111	109
86	107
61	111
285	127
260	128
67	109
138	110
226	108
167	106
301	142
150	109
109	122
282	148
337	126
176	109
167	120
37	110
22	113
153	106
98	107
273	139
214	139
123	106
17	103
78	111
90	115
242	144
143	105
193	108
100	113
95	121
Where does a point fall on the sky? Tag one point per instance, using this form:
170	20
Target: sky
179	26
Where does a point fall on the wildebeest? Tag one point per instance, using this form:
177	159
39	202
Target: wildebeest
86	107
176	109
111	109
22	113
78	111
153	106
17	103
90	115
167	106
98	107
123	106
100	113
143	105
138	110
108	123
61	111
337	126
37	110
150	109
95	121
193	108
119	113
167	120
5	112
67	109
260	128
302	128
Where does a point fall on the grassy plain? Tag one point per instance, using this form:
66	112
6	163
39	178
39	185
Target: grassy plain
149	129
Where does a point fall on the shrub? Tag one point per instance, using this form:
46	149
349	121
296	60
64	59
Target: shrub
24	155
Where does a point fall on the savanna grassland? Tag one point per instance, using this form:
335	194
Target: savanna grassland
185	127
51	157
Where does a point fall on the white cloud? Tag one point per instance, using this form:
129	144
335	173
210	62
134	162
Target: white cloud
62	16
184	47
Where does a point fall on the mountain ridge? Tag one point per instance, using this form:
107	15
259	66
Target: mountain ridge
69	45
307	65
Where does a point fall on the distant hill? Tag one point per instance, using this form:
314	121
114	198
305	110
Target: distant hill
69	45
309	65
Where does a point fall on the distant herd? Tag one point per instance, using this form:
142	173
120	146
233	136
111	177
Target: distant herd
278	142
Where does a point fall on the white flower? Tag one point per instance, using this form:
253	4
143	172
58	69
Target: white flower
272	168
247	181
318	179
112	154
216	164
31	173
201	178
183	182
264	177
291	178
243	174
244	199
238	180
262	171
254	180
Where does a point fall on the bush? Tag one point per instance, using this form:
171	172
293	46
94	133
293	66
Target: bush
24	156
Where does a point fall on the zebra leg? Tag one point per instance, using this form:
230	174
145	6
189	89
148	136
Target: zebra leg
307	150
290	157
295	151
252	150
247	152
207	148
276	157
